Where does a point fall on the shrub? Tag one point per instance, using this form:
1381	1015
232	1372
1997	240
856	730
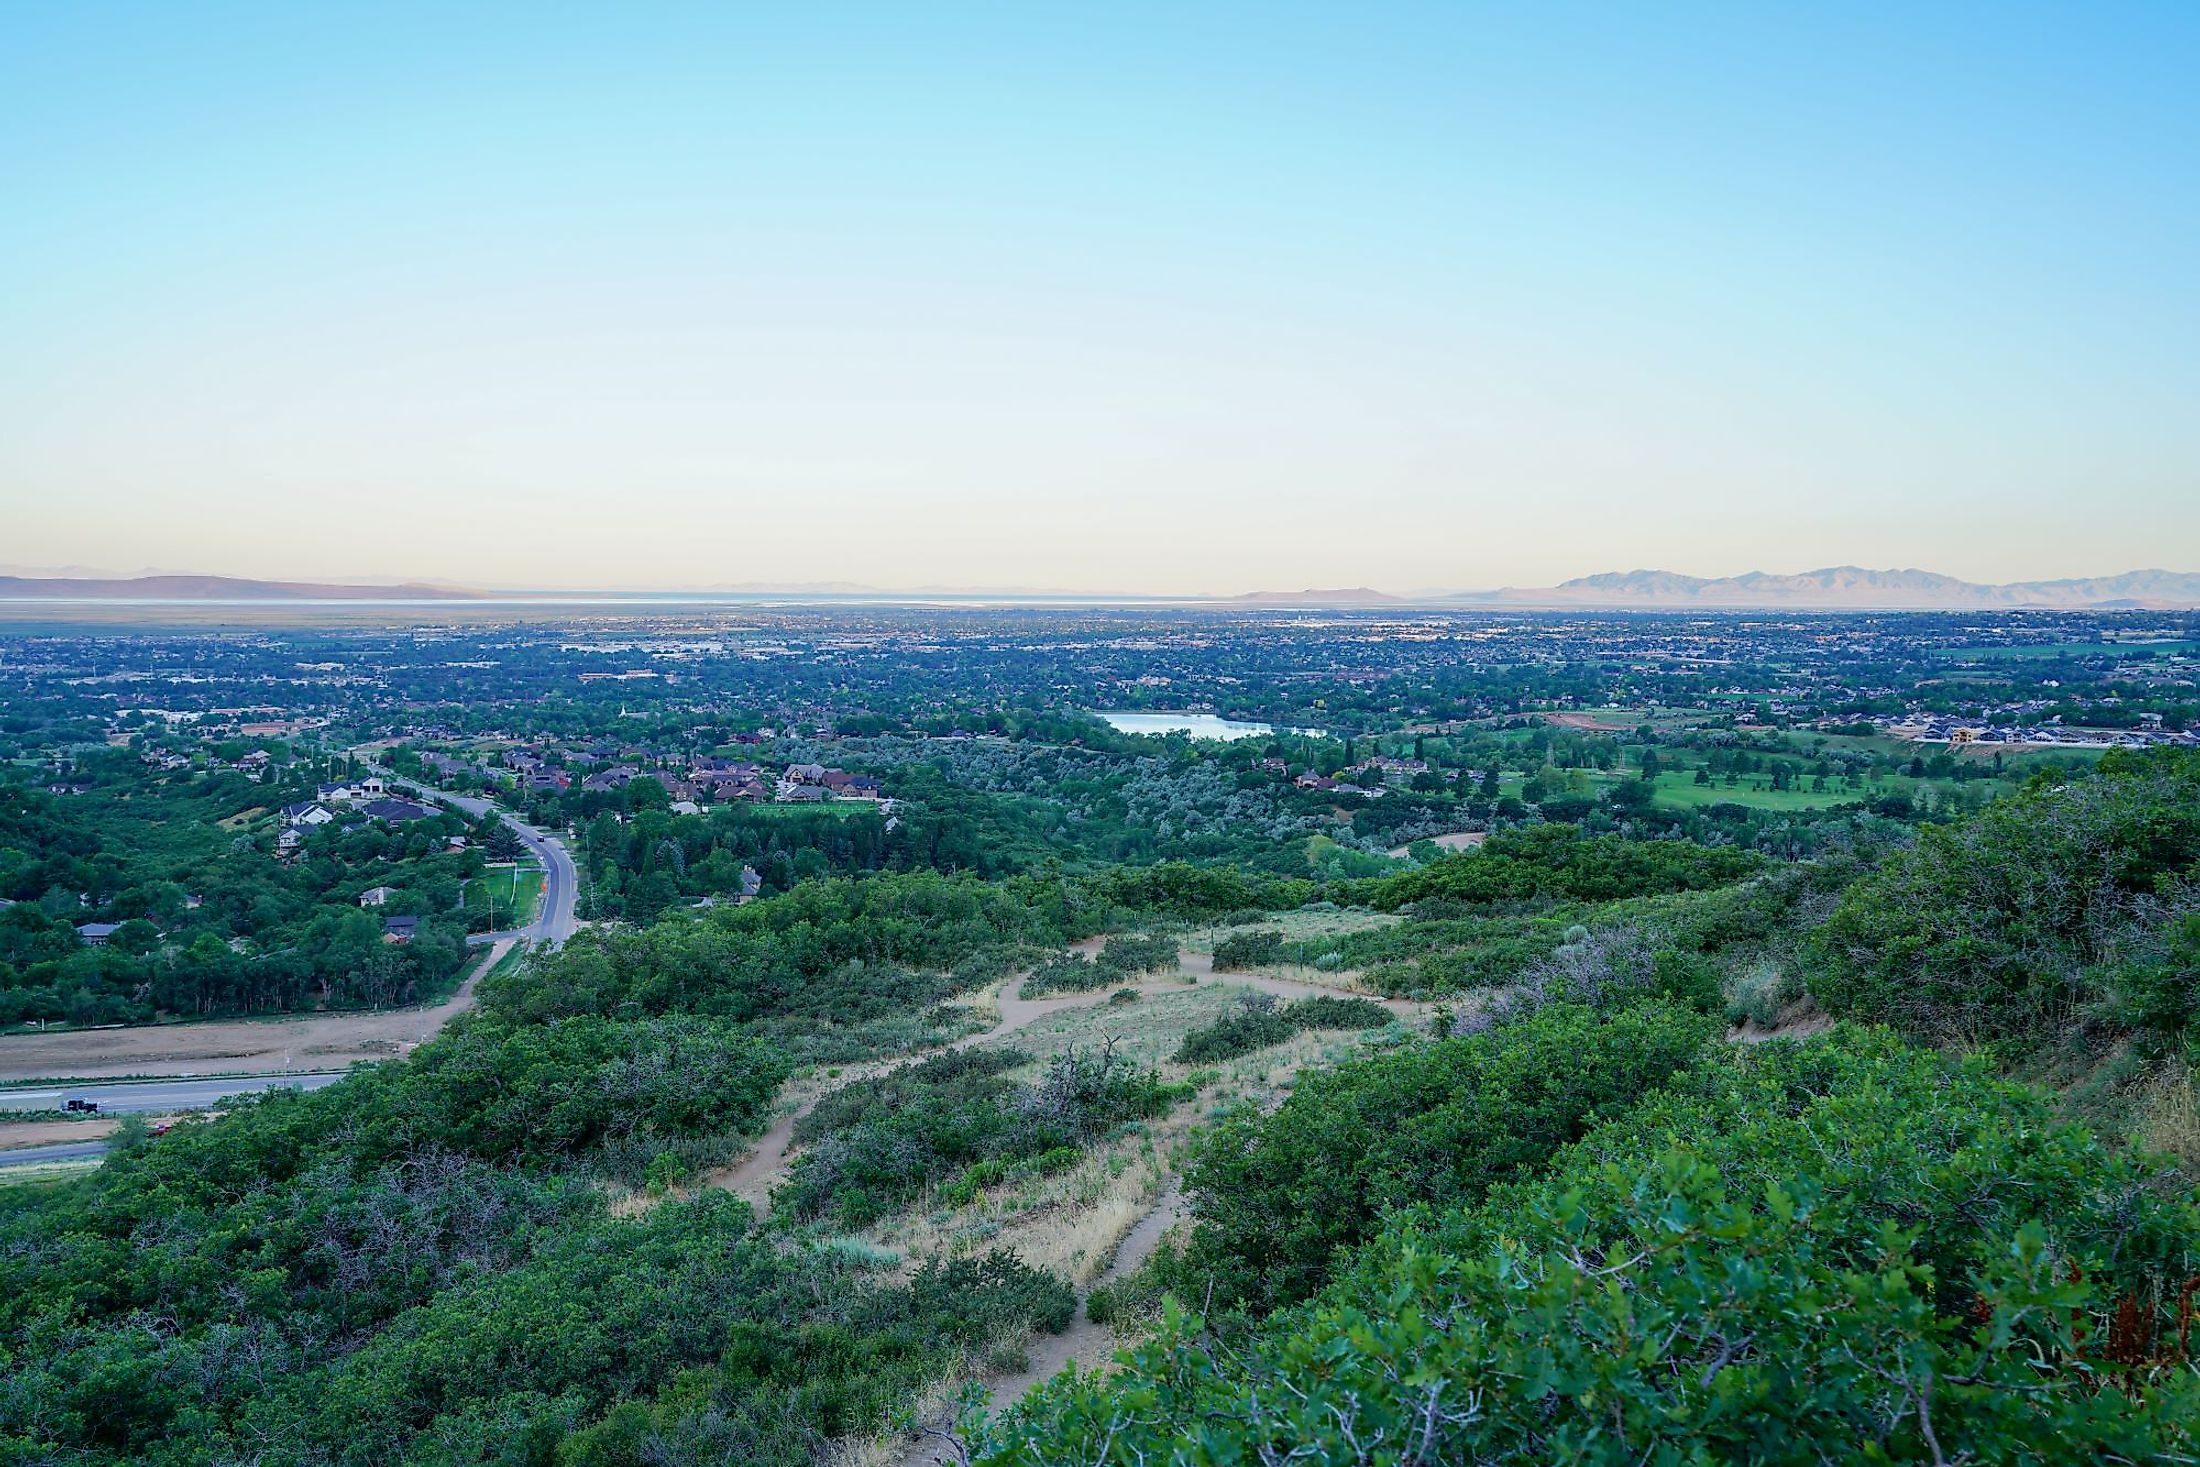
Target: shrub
1275	1198
1242	950
2007	925
1844	1242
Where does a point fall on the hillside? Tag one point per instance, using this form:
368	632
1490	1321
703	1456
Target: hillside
211	588
1849	587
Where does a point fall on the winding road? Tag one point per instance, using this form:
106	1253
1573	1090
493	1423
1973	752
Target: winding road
555	922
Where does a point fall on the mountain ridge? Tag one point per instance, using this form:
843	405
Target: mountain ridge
1852	587
214	588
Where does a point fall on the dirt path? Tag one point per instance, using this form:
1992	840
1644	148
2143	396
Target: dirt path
235	1046
1086	1344
1089	1345
753	1176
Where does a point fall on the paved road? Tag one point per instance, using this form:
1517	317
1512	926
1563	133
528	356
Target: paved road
560	882
69	1151
117	1097
156	1096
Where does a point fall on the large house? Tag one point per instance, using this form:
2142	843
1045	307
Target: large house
376	896
95	934
306	814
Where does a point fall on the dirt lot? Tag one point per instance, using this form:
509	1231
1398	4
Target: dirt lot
17	1134
1457	840
237	1047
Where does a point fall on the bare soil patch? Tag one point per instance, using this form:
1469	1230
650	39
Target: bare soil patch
16	1135
234	1046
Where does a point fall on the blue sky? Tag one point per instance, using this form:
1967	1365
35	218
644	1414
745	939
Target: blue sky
1118	297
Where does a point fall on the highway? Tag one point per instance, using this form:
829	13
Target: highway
70	1151
155	1096
159	1096
560	882
554	923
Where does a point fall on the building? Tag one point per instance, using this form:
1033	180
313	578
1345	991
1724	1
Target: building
377	896
95	934
399	929
306	814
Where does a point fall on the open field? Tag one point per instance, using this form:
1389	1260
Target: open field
1458	840
1678	789
842	808
317	1042
16	1135
512	893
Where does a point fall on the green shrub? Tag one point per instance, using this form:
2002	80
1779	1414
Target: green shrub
1842	1242
1242	950
1258	1022
1276	1198
2009	924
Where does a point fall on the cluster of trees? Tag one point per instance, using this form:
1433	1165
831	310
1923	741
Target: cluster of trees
1846	1241
2068	908
208	920
1559	863
1123	958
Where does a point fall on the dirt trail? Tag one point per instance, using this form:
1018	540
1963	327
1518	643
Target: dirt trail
235	1046
753	1176
1086	1343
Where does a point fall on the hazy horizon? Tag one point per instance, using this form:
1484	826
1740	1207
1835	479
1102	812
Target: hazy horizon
1157	303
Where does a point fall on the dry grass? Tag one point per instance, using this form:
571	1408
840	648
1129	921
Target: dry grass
1072	1222
1296	927
2169	1117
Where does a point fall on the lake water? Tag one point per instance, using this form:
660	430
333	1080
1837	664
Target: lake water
1198	725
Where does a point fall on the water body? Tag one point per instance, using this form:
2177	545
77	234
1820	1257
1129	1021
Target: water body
1198	725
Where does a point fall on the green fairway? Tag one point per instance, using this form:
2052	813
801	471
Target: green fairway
1677	789
842	808
2161	648
511	892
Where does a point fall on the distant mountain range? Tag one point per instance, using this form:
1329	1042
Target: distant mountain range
1850	587
209	588
1836	588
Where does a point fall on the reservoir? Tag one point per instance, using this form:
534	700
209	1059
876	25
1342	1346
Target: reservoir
1198	725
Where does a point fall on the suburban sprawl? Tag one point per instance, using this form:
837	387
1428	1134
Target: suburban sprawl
872	1033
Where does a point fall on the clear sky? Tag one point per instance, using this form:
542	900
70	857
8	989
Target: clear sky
1142	298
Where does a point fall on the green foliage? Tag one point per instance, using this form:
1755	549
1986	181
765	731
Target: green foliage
1559	863
956	1120
1841	1243
1277	1198
2011	924
1122	957
1258	1021
827	953
1242	950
